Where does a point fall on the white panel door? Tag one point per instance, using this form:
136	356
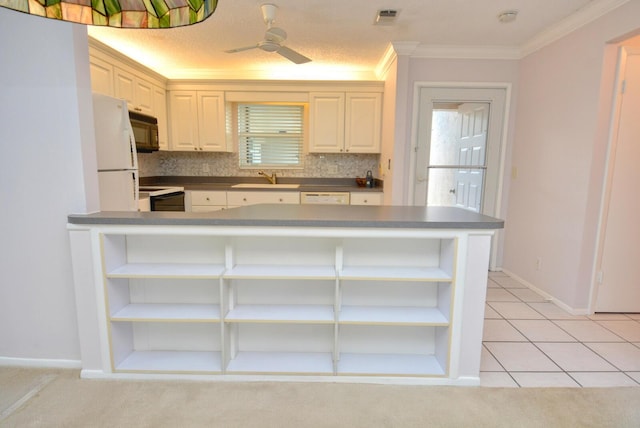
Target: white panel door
620	287
474	120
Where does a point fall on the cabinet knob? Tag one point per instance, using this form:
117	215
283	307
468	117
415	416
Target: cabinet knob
365	201
208	199
244	199
280	199
137	109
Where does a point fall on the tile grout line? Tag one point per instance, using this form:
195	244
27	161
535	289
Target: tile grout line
36	389
553	321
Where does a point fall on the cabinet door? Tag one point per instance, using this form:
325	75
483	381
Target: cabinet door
362	122
251	198
125	87
143	97
366	198
101	76
160	112
183	110
211	121
326	122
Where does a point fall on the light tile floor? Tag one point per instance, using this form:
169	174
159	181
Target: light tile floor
530	342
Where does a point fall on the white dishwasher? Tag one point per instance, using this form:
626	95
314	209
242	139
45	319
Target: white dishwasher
324	198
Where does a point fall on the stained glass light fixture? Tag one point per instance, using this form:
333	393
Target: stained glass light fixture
119	13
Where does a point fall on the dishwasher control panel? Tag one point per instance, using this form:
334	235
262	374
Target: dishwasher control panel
326	198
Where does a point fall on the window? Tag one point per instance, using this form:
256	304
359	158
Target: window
270	135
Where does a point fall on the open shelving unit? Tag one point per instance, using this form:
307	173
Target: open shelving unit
163	305
225	303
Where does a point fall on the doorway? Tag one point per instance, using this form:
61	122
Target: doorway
458	155
618	276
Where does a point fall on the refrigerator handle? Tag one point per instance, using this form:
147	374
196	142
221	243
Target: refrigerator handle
136	190
132	145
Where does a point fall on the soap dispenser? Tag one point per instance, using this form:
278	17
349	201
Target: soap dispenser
369	179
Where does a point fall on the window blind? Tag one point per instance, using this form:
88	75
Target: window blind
270	135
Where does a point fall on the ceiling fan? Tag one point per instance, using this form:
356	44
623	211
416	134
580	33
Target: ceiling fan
273	38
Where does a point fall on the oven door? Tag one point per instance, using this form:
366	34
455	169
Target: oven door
168	202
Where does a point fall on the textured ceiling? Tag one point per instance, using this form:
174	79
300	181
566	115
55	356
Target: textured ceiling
338	35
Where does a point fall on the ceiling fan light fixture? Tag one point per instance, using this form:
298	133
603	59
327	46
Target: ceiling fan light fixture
507	16
386	17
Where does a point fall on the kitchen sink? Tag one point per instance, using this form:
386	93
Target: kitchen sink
265	186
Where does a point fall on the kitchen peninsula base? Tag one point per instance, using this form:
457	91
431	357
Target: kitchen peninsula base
357	294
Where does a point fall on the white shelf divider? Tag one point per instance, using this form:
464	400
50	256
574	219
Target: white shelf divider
307	314
310	363
389	364
396	273
167	270
168	312
281	272
398	315
172	362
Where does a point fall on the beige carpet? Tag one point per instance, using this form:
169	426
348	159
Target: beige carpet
59	398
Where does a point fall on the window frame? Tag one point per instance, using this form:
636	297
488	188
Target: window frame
234	108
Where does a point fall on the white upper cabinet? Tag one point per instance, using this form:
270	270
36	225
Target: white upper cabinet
160	112
197	121
344	122
101	76
211	121
137	92
144	92
326	122
363	113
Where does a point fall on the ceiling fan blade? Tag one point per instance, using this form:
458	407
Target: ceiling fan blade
246	48
292	55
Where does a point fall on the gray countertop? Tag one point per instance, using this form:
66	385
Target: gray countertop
285	215
227	183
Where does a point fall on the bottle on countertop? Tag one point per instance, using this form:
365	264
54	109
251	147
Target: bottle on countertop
369	179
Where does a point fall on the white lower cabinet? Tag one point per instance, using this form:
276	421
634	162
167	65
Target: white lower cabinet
257	197
206	200
367	198
292	304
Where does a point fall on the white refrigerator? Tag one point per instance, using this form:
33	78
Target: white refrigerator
116	152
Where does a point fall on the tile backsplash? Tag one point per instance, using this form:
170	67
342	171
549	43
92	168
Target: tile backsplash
328	165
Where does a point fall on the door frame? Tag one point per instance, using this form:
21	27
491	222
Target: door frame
605	197
489	209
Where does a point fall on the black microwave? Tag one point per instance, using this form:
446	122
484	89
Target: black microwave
145	131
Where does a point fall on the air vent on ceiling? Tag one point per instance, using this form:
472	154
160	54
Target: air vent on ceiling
386	16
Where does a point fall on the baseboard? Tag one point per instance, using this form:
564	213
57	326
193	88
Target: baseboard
556	301
40	363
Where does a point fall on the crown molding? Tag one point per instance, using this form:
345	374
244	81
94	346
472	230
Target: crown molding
382	68
580	18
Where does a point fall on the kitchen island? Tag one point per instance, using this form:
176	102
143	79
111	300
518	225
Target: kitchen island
333	293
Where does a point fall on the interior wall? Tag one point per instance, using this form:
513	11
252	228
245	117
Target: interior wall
563	115
46	102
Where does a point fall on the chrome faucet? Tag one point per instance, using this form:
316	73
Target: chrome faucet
272	178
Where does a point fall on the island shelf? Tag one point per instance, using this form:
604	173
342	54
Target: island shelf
391	304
